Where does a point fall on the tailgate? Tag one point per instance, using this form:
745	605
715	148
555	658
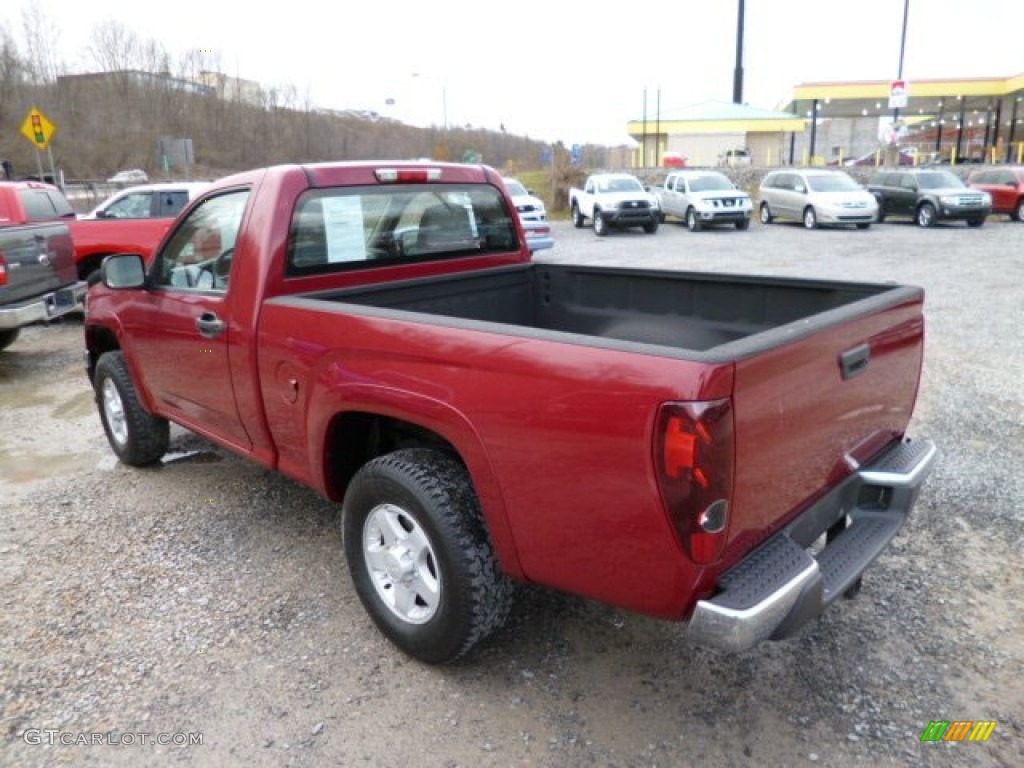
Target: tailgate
38	260
807	412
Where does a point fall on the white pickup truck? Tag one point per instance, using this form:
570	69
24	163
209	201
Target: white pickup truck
702	199
614	200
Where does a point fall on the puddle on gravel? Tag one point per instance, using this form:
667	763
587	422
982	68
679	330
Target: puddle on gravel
192	457
78	406
21	396
31	467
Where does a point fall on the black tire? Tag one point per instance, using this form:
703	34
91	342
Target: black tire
743	224
577	217
1018	212
975	223
8	337
766	214
454	593
135	435
810	218
651	227
864	225
693	223
600	224
925	216
881	215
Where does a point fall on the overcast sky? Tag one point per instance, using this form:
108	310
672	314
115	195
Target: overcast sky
552	69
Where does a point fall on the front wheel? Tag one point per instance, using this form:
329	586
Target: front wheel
135	435
926	215
652	226
600	224
766	214
975	222
420	557
577	217
810	218
864	225
743	224
693	222
1018	212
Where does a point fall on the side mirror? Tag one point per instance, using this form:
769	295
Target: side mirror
125	270
800	188
102	215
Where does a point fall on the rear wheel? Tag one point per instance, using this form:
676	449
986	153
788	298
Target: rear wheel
135	435
766	214
577	217
8	337
420	557
810	218
926	215
600	225
693	222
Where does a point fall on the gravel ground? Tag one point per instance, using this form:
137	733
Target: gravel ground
208	597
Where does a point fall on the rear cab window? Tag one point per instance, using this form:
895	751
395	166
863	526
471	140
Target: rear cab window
343	228
44	205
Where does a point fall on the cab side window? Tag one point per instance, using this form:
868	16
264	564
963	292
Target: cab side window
200	253
133	206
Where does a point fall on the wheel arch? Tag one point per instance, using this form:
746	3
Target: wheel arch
89	264
98	340
352	437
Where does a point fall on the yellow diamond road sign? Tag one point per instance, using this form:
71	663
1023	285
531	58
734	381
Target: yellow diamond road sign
38	129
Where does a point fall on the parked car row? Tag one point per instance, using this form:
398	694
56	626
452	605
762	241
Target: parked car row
925	195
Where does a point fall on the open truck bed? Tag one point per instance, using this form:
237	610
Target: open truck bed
699	316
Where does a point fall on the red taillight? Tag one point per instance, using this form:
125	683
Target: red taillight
694	460
3	269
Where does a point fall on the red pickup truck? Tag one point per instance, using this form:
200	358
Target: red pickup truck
728	451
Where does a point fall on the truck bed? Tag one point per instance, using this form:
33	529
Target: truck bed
711	318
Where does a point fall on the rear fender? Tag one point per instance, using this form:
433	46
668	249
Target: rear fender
429	414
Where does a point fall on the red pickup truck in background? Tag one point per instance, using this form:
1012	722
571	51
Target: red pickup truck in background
728	451
93	239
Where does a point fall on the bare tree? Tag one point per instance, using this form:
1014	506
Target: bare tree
42	42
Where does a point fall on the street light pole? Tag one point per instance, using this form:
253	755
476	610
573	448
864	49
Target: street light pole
903	47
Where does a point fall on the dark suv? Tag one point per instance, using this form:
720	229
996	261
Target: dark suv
928	195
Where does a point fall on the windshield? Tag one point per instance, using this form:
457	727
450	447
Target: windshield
515	188
710	183
838	182
939	180
622	184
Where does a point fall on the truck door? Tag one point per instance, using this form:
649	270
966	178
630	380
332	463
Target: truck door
183	332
